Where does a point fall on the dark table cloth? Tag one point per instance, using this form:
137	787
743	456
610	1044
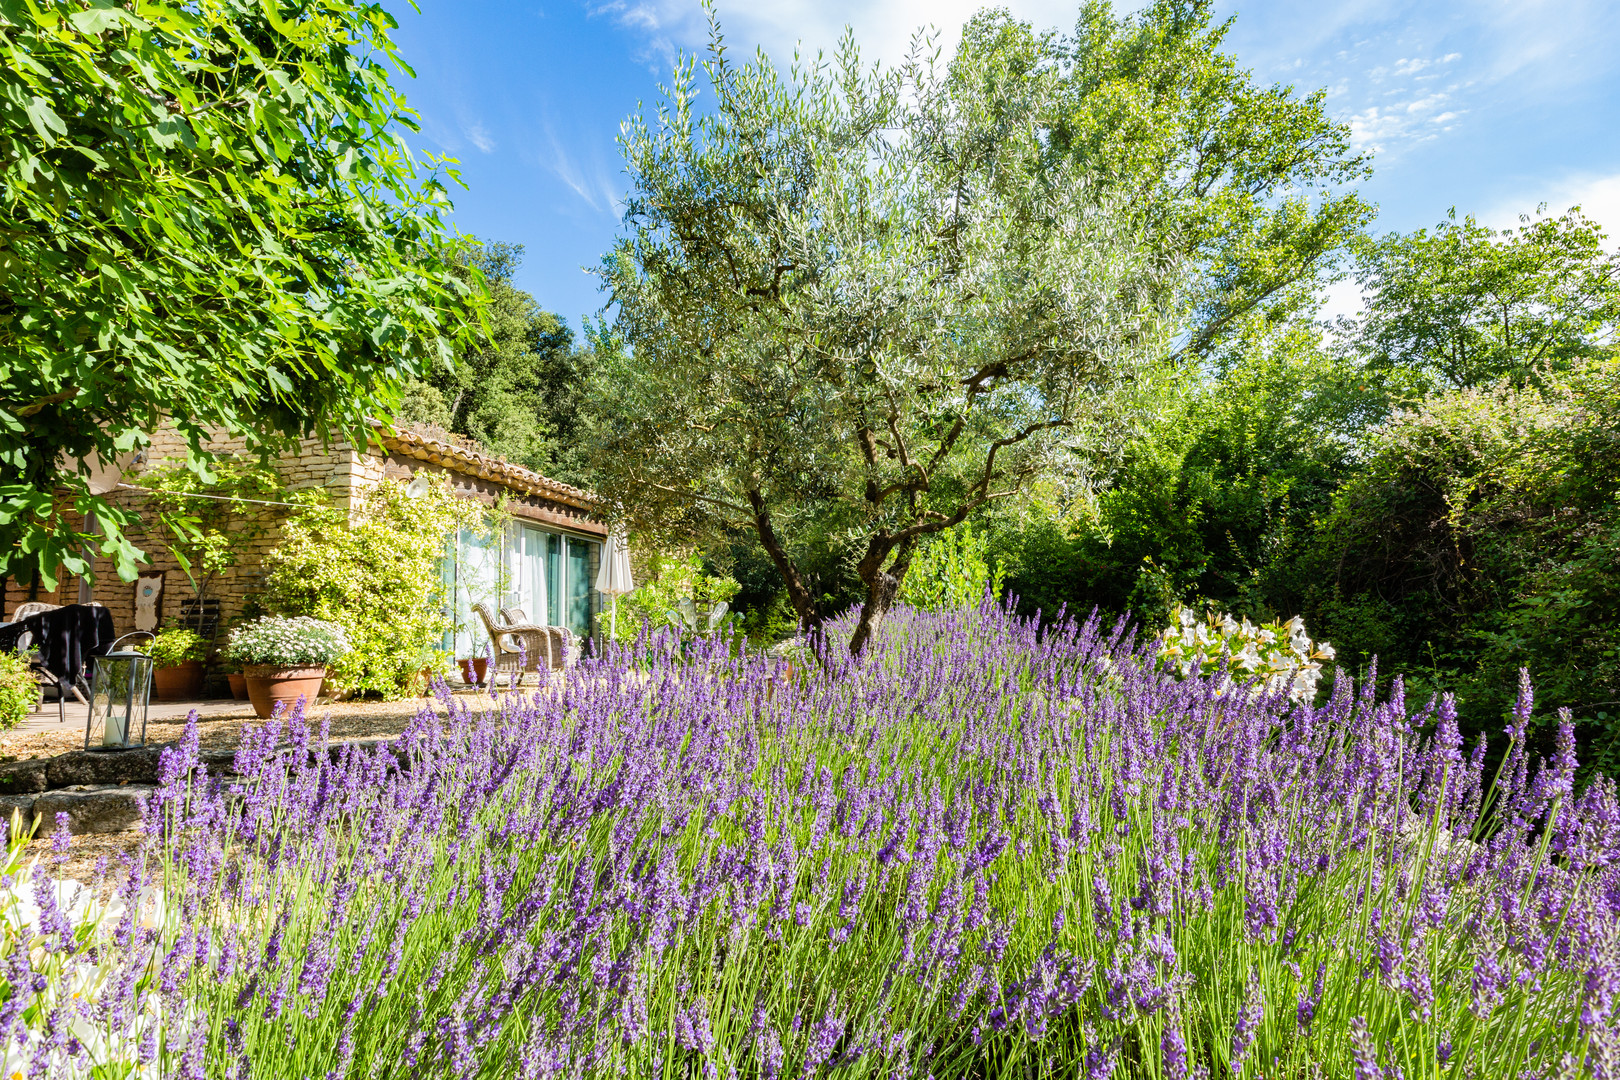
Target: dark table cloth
66	637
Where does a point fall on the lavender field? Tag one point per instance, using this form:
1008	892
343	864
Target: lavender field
982	851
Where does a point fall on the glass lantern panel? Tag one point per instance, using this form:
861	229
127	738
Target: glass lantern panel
118	694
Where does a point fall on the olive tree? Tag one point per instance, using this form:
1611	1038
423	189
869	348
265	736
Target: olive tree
856	299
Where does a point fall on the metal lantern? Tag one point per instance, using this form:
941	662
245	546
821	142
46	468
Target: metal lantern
119	688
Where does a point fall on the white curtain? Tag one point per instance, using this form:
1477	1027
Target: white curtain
526	555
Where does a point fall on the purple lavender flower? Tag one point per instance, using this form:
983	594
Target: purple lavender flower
1365	1055
1248	1023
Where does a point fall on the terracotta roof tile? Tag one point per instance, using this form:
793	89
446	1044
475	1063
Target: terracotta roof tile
442	448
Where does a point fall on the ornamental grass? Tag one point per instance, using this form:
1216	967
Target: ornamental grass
983	850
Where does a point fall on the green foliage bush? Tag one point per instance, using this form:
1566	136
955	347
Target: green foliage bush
668	580
1484	536
1210	498
175	646
952	569
375	573
18	690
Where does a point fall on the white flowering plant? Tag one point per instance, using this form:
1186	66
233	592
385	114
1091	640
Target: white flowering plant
62	948
287	641
1280	654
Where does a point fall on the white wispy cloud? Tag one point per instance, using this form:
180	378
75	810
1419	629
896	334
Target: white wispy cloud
1403	72
480	137
1598	196
557	158
586	174
883	28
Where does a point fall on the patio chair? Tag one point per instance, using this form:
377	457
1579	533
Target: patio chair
30	609
563	650
518	649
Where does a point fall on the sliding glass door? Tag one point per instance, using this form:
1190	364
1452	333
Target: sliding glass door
549	576
580	582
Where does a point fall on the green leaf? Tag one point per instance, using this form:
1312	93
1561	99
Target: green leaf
45	120
103	15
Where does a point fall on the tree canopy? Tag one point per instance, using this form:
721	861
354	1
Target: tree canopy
860	299
1249	183
515	387
210	217
1466	305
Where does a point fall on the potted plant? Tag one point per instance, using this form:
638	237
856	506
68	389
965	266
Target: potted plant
476	666
233	675
177	664
285	658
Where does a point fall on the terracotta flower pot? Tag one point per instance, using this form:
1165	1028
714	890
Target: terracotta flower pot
238	683
267	685
183	682
473	669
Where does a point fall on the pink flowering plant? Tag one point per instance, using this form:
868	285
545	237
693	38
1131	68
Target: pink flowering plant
986	849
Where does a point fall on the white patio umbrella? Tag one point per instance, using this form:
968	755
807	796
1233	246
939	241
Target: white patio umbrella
614	579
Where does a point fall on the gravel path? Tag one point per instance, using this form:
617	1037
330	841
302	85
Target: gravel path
220	726
220	723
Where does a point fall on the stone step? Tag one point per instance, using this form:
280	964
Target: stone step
91	808
78	767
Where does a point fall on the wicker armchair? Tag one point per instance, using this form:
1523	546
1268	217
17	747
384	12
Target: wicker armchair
563	649
518	649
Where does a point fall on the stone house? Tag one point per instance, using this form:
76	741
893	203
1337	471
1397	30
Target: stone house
544	560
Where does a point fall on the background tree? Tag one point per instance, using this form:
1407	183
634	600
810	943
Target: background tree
1465	305
1482	536
210	217
1212	495
860	298
515	388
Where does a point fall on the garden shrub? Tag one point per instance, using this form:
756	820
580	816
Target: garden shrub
667	581
952	569
1216	489
80	948
1279	654
1484	536
19	690
376	573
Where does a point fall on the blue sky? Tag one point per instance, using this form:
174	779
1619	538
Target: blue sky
1488	106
